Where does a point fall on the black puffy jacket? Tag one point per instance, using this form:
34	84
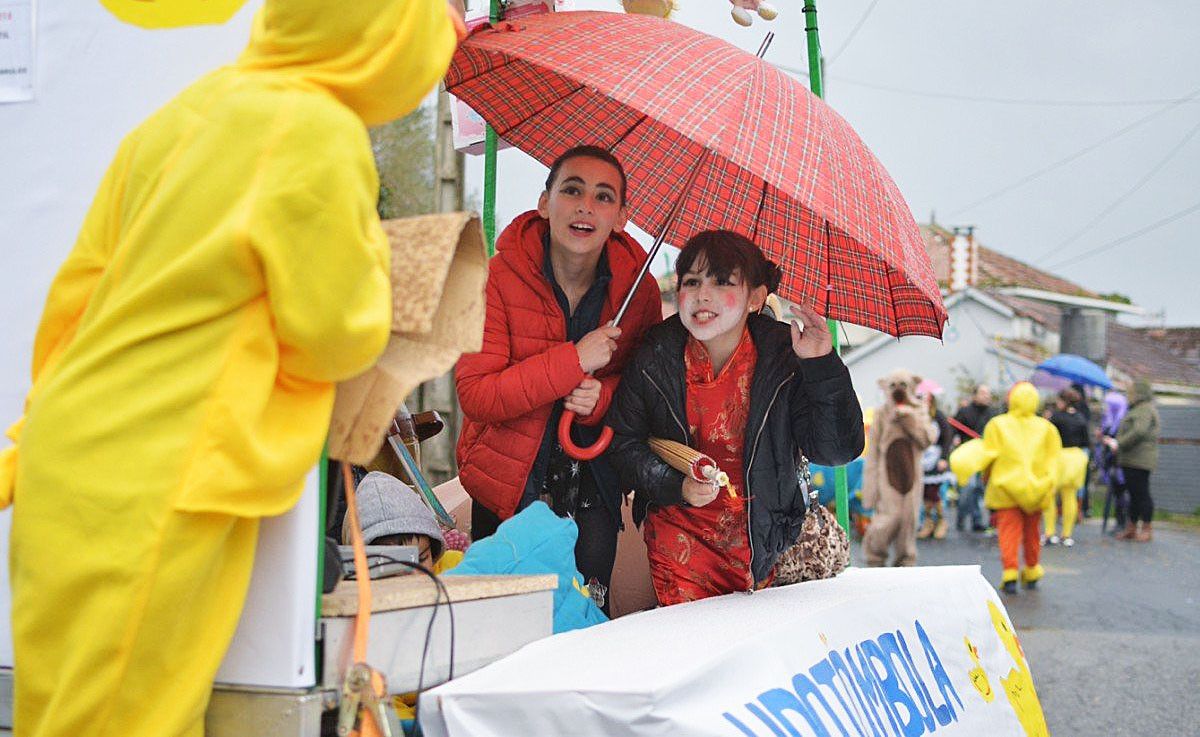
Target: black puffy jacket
795	405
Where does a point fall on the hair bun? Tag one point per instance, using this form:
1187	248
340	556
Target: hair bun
774	276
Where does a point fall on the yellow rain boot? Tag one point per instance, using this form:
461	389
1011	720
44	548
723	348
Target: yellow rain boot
1031	576
1008	581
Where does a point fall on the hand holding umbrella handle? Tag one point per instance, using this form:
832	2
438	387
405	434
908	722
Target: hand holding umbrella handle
603	340
572	450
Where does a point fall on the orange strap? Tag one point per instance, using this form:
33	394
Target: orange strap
362	619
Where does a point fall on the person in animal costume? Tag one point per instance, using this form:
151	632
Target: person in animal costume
892	479
1022	454
232	268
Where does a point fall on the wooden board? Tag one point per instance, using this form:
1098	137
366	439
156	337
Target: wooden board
416	590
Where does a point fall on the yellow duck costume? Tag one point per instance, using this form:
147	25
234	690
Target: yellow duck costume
1022	453
892	480
1072	473
231	268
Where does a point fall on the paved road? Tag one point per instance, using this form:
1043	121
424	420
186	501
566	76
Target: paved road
1113	632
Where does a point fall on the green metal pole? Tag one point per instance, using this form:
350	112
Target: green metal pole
322	482
815	71
489	166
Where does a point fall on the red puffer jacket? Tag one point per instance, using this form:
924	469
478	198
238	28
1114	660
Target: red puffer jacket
508	389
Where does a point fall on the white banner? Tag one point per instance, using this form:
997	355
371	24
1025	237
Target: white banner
875	652
16	50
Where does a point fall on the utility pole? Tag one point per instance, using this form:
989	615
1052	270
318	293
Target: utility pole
437	453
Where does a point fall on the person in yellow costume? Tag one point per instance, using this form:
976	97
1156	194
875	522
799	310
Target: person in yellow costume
1022	453
231	269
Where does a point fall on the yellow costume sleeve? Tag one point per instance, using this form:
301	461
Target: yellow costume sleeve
323	251
1047	467
969	459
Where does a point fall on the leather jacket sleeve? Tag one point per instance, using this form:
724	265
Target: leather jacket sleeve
631	418
827	420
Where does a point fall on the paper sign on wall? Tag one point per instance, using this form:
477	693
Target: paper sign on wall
16	50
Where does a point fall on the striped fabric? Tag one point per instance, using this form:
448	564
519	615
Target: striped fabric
784	168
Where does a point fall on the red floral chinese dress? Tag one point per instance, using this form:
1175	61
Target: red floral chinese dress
698	552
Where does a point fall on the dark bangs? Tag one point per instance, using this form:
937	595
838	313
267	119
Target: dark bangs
722	252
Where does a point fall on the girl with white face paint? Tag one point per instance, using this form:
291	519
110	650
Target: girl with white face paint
744	389
723	278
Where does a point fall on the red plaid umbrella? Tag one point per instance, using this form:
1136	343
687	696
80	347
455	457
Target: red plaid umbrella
782	167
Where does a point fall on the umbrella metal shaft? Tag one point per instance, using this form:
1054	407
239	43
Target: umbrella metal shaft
662	234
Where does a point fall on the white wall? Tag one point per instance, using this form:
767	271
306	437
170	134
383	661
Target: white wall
97	78
966	341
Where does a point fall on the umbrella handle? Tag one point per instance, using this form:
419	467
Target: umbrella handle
572	450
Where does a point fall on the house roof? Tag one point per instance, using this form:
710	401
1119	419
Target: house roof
1182	341
1029	350
1044	313
995	269
1140	353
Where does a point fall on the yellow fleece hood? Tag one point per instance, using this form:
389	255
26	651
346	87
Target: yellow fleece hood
379	57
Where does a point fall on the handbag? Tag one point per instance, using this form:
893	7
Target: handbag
823	548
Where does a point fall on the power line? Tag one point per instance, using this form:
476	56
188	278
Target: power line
1020	101
853	32
1072	157
1024	101
1103	213
1128	237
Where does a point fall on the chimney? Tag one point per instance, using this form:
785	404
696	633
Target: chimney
964	259
1084	332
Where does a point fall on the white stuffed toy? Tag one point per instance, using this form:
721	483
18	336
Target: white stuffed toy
741	11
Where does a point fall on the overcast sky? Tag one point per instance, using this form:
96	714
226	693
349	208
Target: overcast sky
909	80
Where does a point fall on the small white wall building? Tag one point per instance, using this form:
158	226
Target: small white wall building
971	350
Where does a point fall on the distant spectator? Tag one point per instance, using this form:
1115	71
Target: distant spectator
1080	404
974	415
1136	445
1072	428
1115	406
935	463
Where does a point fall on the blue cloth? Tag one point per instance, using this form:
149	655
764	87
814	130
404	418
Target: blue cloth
533	541
1076	368
824	481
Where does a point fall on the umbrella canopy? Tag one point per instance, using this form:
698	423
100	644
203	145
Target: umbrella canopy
1077	369
173	13
1044	380
775	163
